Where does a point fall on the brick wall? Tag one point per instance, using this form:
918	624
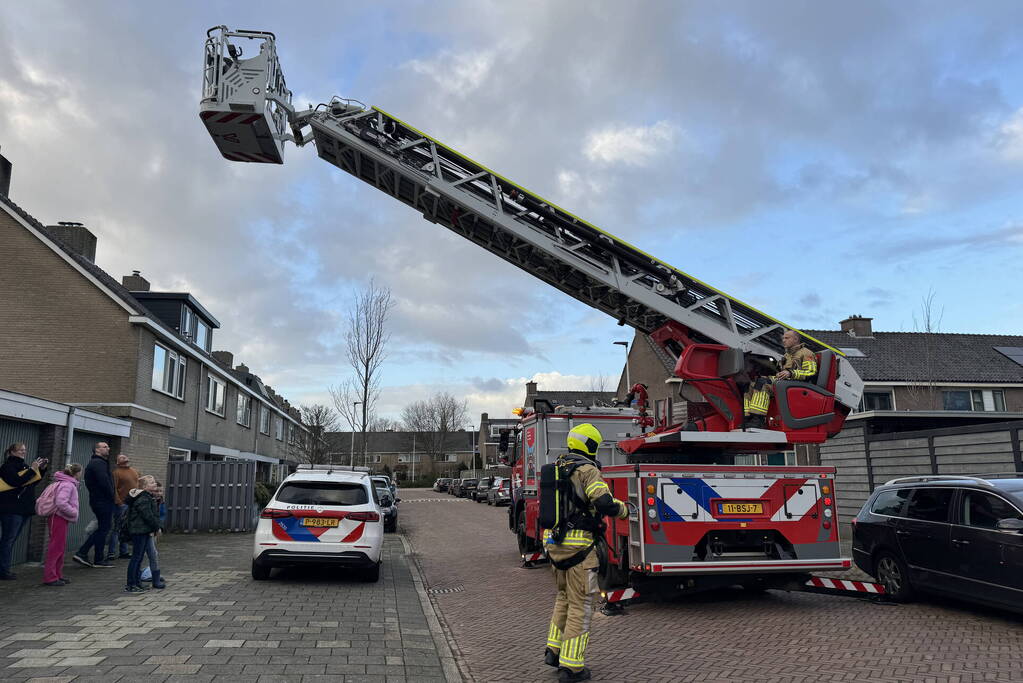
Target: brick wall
64	339
147	448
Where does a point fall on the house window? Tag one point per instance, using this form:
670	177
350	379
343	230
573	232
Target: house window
409	457
876	400
662	411
279	429
445	457
372	458
982	400
169	370
291	434
178	455
187	323
244	409
216	392
264	420
202	335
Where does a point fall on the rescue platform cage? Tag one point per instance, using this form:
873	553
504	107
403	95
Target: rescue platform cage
234	83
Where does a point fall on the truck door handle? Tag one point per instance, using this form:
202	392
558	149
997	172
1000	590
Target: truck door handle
899	532
957	541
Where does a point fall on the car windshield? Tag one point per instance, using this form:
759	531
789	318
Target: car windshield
322	493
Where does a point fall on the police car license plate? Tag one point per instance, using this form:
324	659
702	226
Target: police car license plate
742	508
319	521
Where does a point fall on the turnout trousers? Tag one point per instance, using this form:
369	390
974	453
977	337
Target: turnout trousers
570	623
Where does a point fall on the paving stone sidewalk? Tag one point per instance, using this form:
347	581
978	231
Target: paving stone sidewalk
213	622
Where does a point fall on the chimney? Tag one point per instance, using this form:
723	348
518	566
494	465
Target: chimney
76	236
530	389
485	417
225	358
135	282
5	176
857	326
242	367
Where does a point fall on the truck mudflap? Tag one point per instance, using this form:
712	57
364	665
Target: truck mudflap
533	560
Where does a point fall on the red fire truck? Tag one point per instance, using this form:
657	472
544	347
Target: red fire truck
704	511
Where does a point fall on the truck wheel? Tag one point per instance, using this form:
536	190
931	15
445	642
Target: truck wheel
525	542
613	576
891	572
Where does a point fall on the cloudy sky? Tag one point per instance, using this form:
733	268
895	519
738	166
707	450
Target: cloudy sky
815	159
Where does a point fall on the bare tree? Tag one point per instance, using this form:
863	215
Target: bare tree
320	419
598	383
922	391
432	419
365	348
383	424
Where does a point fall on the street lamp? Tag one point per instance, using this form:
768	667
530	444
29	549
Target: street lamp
351	454
628	382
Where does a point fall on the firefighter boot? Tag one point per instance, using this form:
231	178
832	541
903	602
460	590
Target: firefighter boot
569	676
756	422
550	657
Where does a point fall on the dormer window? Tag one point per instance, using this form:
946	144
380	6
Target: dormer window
202	335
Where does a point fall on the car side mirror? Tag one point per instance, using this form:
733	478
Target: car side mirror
1011	524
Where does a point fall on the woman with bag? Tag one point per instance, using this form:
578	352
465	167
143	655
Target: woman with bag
59	502
17	500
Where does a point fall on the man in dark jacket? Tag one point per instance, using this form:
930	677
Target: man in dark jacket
100	485
17	500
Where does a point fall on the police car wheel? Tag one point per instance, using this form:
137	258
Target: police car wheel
260	573
371	575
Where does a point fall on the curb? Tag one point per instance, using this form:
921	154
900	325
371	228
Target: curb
441	635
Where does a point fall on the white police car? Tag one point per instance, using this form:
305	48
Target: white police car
321	516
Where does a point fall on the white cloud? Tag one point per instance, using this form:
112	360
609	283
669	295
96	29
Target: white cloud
456	73
1010	140
633	145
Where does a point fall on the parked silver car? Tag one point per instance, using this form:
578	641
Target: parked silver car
499	492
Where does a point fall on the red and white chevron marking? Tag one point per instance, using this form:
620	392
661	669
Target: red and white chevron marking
623	594
843	585
534	557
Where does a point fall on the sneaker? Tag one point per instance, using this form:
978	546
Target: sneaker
81	560
64	581
134	589
103	564
58	583
111	557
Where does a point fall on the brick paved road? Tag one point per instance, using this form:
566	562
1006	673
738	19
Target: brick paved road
213	620
499	616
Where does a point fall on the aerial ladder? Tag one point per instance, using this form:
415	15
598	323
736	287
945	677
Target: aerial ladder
718	343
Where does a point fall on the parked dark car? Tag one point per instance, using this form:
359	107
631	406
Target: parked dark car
499	492
465	488
453	487
441	485
479	494
388	505
962	537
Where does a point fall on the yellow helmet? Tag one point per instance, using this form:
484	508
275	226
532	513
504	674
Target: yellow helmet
584	438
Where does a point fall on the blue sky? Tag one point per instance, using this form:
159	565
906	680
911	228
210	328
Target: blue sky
813	159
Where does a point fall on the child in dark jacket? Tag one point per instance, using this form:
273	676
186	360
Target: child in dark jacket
143	521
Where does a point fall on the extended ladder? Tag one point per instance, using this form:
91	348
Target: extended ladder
451	190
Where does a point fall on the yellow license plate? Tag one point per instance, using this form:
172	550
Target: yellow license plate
742	508
320	521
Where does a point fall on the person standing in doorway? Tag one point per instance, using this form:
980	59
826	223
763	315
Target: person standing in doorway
60	503
126	478
101	501
17	500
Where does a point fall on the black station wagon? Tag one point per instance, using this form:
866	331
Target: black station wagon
959	536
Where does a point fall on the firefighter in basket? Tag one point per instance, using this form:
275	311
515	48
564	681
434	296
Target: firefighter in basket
799	363
573	503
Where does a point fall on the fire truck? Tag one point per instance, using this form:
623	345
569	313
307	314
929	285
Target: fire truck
703	511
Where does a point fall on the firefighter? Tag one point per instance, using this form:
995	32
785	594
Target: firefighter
574	559
799	363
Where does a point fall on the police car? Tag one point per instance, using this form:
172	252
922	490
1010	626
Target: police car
321	515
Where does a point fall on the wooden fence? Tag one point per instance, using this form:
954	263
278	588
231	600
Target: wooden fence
211	496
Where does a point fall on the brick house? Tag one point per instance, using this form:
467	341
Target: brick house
404	453
74	334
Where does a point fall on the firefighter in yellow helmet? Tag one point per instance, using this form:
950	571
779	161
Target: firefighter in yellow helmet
799	363
571	550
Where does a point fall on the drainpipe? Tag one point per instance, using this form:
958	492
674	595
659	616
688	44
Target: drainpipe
69	434
198	401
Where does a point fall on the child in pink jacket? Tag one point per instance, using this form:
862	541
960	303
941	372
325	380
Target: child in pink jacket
61	504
